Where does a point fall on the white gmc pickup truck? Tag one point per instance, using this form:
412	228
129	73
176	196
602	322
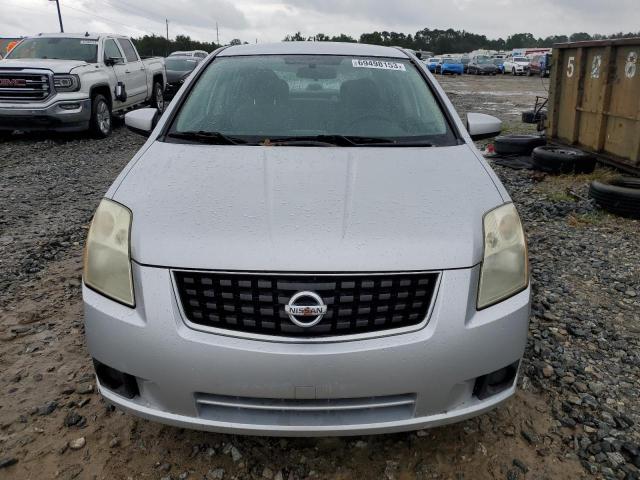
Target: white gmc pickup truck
74	82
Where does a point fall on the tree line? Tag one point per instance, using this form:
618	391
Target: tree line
436	40
455	41
154	45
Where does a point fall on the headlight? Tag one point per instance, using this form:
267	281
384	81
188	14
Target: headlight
66	83
107	259
505	266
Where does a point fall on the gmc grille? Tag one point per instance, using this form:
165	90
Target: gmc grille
21	87
254	303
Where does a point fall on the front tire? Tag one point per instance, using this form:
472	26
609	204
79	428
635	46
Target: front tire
101	121
157	100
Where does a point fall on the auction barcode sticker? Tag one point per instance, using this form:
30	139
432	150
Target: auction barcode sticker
382	64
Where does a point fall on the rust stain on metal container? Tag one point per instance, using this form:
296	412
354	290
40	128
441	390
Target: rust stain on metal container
595	99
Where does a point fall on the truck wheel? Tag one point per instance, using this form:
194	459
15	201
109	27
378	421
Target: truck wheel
555	159
621	195
158	97
517	144
513	72
100	117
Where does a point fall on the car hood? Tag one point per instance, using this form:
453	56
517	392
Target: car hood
56	66
176	75
487	67
307	208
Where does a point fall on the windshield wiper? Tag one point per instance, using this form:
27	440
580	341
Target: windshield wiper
309	140
343	141
202	136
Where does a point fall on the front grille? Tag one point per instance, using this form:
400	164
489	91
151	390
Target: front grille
24	87
255	303
306	413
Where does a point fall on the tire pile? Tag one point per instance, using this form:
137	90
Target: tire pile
619	195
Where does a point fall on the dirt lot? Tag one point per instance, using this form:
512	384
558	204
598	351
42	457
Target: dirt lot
576	414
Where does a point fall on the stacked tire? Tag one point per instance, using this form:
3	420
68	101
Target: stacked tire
556	159
620	195
517	144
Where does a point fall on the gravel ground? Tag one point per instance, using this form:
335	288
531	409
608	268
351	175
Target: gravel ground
576	415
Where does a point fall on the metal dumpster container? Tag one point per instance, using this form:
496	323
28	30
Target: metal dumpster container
594	99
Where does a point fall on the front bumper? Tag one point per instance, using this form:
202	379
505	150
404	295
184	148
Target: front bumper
36	117
390	383
455	70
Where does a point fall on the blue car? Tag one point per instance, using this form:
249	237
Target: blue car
432	63
451	65
499	62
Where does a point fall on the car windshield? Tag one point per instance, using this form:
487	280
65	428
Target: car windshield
465	60
521	59
296	98
180	64
83	49
484	61
498	61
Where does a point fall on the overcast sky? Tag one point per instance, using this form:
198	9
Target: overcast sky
270	21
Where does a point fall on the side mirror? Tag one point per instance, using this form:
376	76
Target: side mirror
142	121
111	61
482	126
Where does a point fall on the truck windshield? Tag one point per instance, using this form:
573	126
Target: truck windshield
82	49
293	99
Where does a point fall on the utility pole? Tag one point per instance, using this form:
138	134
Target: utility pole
168	43
59	14
217	35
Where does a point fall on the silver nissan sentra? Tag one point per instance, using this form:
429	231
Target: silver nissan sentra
308	244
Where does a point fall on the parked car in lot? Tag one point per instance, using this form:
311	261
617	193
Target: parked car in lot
178	70
540	65
482	66
67	82
450	65
465	64
499	62
516	65
254	270
189	53
432	64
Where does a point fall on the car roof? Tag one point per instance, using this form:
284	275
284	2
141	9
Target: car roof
314	48
186	57
87	35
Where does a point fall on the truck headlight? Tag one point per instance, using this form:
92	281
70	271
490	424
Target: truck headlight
66	83
505	266
107	258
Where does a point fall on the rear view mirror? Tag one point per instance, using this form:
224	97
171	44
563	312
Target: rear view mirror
482	126
142	121
317	72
